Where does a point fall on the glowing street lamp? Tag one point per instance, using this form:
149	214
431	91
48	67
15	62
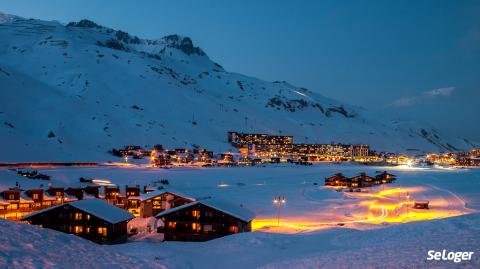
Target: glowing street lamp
279	201
126	158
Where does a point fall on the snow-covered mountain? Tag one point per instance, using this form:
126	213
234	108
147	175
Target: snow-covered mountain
72	92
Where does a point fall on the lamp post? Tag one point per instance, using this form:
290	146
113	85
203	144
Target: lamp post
126	158
408	202
279	201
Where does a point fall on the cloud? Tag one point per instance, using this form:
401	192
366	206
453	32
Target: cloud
425	96
404	101
440	92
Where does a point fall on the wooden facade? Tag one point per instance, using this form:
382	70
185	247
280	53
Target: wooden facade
75	218
158	201
360	181
199	221
338	180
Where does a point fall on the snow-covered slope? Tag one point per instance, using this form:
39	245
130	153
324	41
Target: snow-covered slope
27	246
72	92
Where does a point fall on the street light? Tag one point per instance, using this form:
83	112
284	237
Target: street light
279	201
126	158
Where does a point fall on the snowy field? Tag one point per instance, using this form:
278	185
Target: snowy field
376	227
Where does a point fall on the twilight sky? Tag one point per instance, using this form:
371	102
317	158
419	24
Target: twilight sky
413	59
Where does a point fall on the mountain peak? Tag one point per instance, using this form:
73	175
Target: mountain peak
84	24
5	18
183	44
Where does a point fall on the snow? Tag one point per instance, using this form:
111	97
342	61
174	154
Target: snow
27	246
222	205
93	98
96	207
391	242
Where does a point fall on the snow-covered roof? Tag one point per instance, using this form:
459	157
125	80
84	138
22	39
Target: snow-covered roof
152	194
98	208
226	207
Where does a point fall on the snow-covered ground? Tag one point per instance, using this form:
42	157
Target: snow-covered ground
379	230
88	97
28	246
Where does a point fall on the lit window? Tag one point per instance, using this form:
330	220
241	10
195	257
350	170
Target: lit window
172	225
196	213
196	226
87	230
102	231
58	193
78	216
11	197
87	217
78	229
35	196
233	229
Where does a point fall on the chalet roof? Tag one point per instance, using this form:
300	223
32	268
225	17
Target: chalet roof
99	208
226	207
336	175
146	196
48	197
24	198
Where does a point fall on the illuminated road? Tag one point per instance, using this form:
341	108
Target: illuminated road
393	205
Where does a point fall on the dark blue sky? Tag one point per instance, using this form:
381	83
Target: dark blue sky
385	55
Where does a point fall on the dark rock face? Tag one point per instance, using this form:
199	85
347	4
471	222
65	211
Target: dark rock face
84	23
184	44
340	110
280	102
125	37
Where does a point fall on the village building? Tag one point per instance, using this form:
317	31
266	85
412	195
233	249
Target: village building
133	200
14	205
204	220
338	180
384	178
362	180
157	201
92	219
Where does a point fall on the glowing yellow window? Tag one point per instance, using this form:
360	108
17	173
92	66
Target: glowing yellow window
87	217
172	225
35	196
78	229
78	216
102	231
196	213
196	226
87	230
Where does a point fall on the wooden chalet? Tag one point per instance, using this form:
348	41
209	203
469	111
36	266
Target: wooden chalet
338	180
384	178
133	200
14	204
75	192
92	190
204	220
92	219
112	196
157	201
362	180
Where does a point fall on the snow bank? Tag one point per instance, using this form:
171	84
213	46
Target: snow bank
26	246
